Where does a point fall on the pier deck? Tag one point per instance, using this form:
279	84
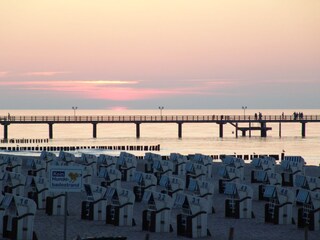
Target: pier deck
178	119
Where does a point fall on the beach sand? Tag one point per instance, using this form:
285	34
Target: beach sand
52	227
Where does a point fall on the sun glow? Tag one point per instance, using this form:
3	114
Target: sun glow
113	82
69	82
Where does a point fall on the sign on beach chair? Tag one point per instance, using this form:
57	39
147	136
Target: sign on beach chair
38	190
112	177
309	212
192	222
239	200
94	208
120	209
15	183
62	179
157	216
18	217
203	189
144	181
279	208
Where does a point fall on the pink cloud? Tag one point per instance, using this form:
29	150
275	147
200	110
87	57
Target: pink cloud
46	73
68	83
117	90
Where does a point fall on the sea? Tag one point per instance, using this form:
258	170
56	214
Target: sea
196	137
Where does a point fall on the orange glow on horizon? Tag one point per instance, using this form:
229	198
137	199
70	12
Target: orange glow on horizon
118	108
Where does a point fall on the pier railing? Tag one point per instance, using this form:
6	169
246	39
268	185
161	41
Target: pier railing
157	118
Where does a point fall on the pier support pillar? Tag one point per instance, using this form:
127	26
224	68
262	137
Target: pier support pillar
137	130
303	129
221	130
5	131
243	133
50	130
249	129
279	129
263	129
236	130
179	130
94	133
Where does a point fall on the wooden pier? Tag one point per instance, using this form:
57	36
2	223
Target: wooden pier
221	120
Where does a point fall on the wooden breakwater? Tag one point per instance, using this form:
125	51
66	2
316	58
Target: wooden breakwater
24	140
277	157
74	148
242	156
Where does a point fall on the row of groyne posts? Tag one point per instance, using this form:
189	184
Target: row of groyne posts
178	188
68	148
25	140
75	148
180	120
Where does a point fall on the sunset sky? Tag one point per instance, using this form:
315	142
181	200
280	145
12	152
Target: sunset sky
141	54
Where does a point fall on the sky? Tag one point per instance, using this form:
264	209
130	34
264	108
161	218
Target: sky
142	54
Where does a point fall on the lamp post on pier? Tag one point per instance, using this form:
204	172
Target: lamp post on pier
74	110
161	108
244	111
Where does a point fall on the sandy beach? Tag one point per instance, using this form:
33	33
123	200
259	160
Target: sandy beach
52	227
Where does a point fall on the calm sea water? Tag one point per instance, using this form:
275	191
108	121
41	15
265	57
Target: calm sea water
196	138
